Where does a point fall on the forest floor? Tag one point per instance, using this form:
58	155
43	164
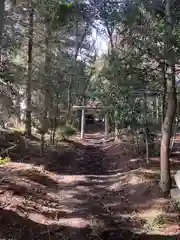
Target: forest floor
84	190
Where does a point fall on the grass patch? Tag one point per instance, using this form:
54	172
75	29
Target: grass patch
160	221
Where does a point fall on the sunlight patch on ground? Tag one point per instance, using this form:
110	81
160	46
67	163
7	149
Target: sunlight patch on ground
104	176
135	180
74	222
115	186
153	171
127	195
68	194
150	213
71	178
37	217
65	197
135	160
83	188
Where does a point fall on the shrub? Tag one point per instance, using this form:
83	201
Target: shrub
66	131
4	160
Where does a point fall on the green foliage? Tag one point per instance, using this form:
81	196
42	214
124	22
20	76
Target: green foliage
122	75
4	160
57	13
134	67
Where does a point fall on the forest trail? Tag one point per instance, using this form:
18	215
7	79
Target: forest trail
89	189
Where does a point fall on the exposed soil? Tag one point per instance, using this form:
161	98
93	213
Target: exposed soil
87	189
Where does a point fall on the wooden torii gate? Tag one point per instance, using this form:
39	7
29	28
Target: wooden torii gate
102	109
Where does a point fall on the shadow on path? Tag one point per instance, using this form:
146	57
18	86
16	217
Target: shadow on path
17	227
82	188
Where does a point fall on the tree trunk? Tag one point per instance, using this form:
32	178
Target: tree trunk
157	107
106	123
2	10
55	122
165	182
164	91
42	144
54	129
29	79
18	107
44	127
146	132
111	47
78	42
165	141
116	132
69	100
73	77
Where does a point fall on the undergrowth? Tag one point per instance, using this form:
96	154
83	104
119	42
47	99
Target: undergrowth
65	131
4	160
160	221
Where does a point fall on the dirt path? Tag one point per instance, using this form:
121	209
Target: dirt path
86	190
